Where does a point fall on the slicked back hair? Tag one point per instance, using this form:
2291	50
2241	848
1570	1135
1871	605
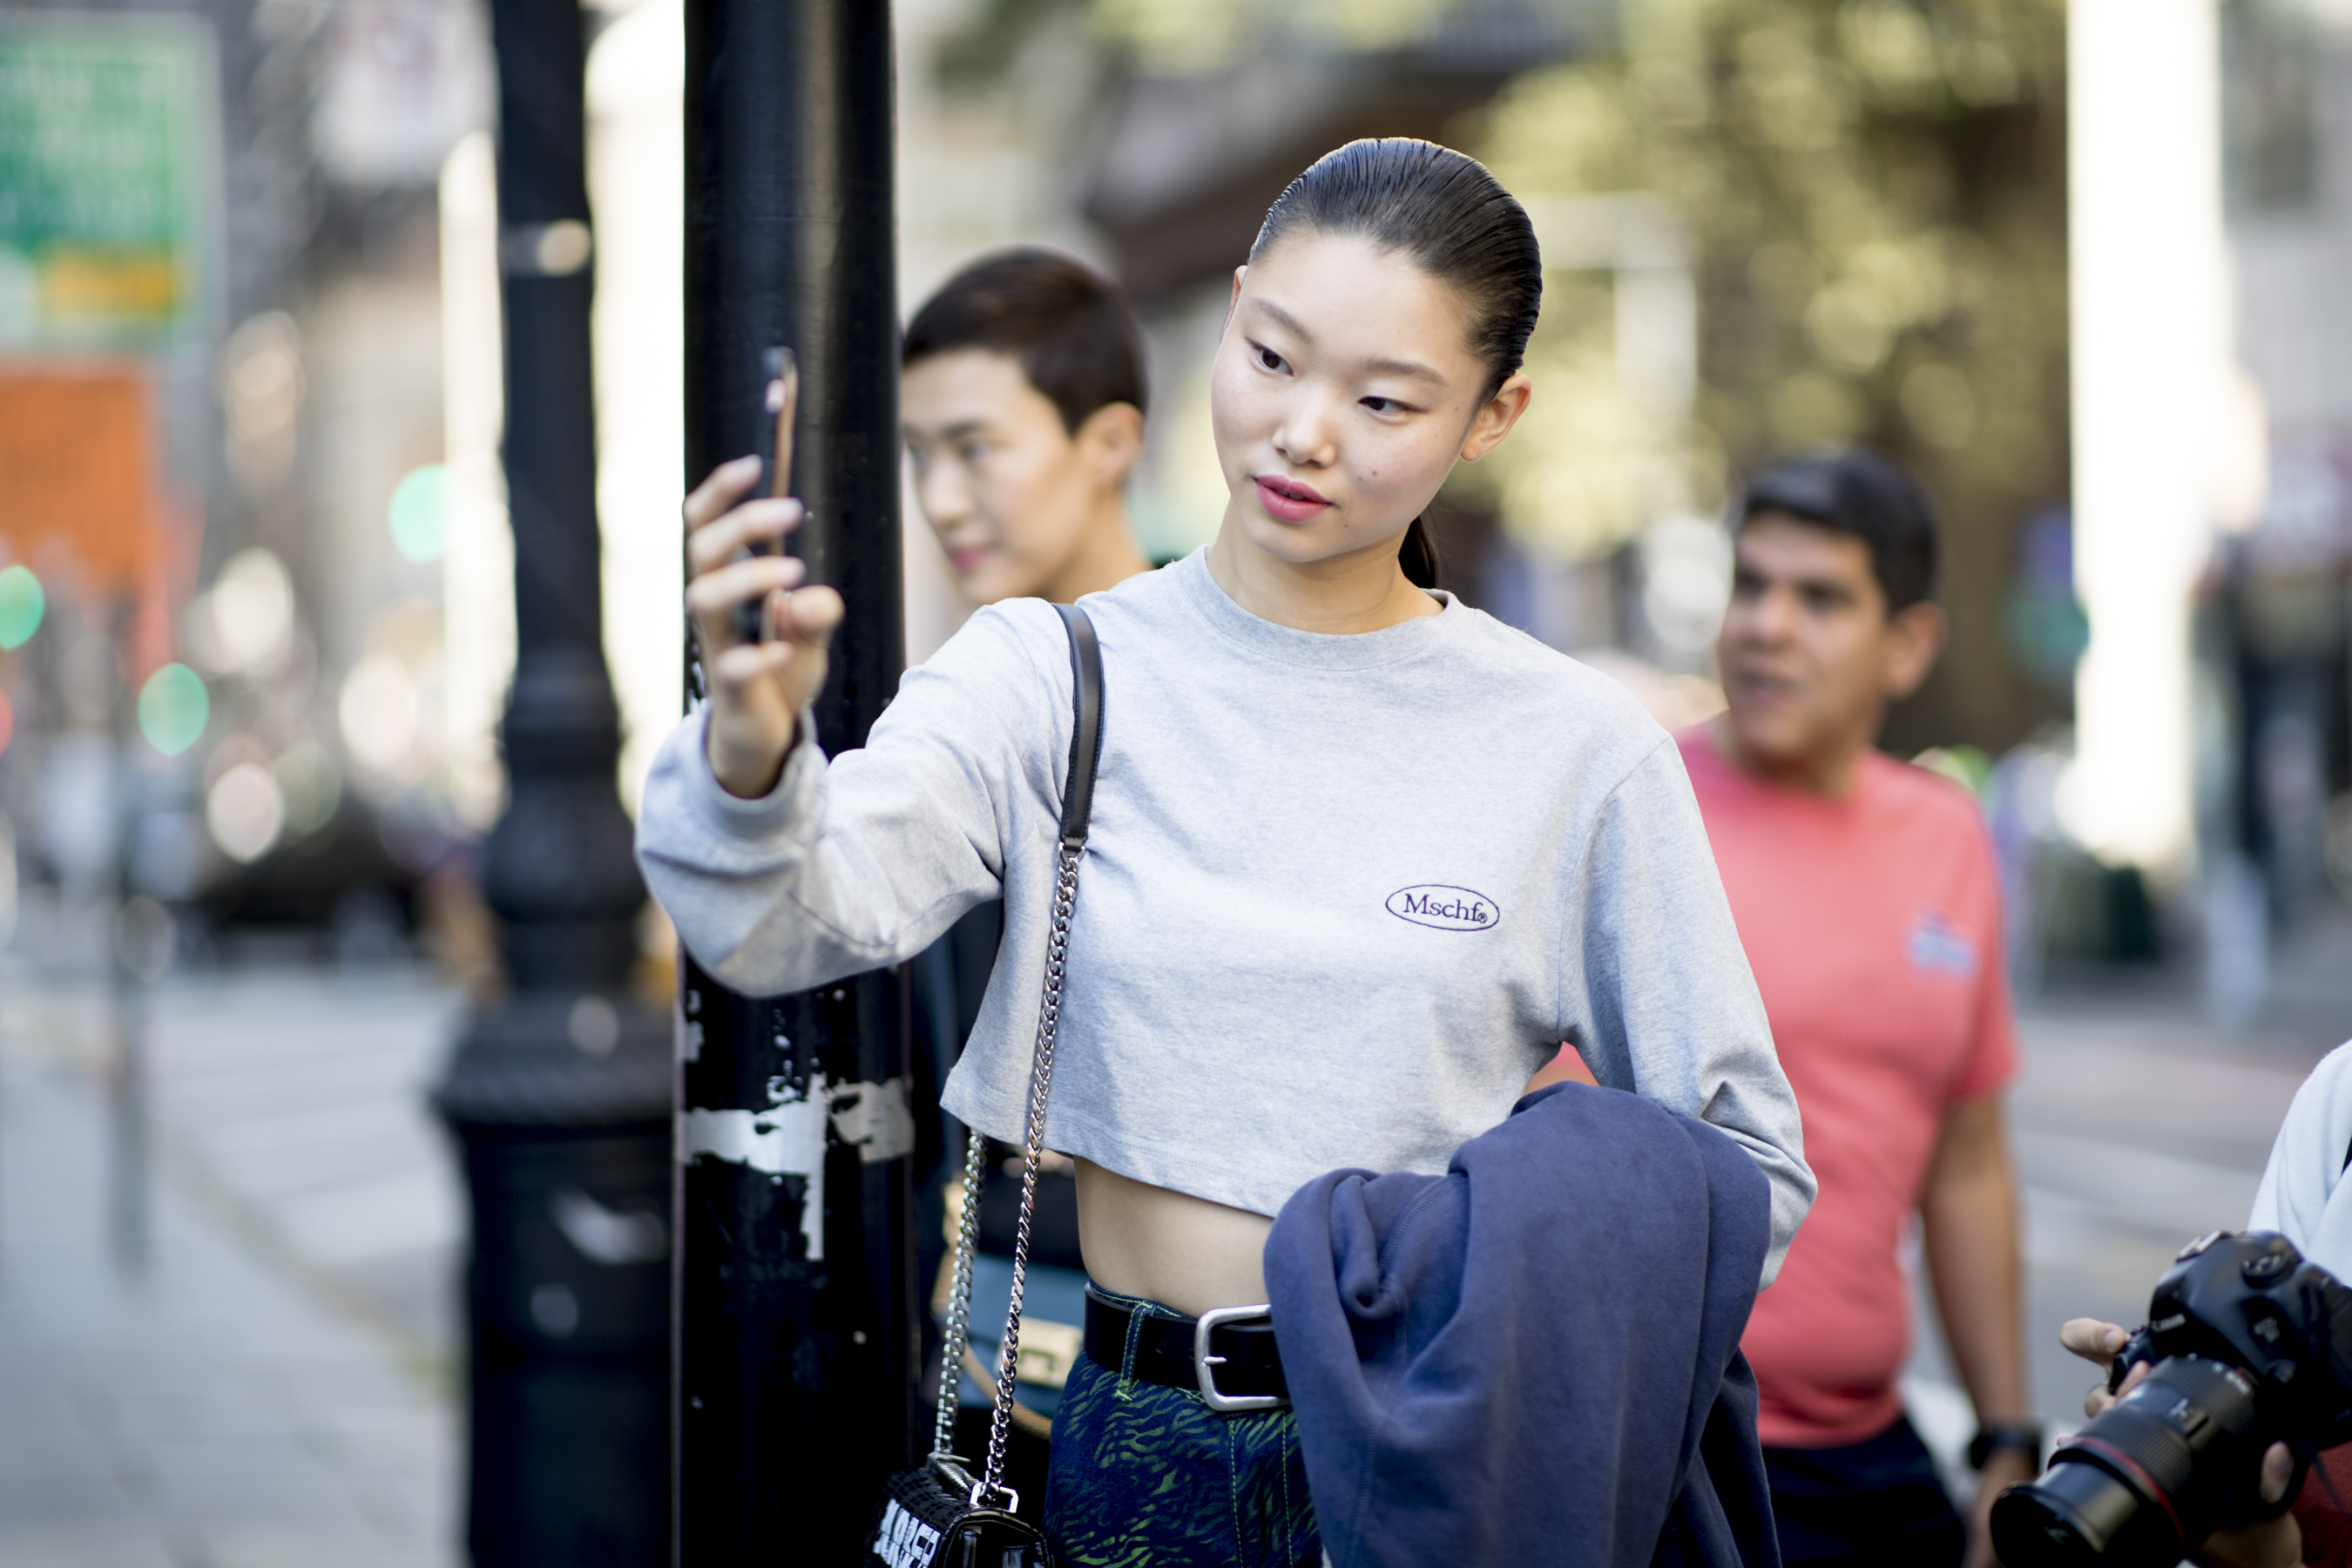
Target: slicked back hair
1068	325
1442	211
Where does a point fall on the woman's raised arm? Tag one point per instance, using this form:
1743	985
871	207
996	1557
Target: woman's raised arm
849	865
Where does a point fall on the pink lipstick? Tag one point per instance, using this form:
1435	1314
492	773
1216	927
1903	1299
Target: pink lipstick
1288	499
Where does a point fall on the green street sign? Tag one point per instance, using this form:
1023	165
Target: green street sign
107	175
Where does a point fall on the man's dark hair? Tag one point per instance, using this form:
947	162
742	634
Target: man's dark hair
1068	325
1855	492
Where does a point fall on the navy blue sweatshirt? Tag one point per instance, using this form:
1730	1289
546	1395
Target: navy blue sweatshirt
1535	1357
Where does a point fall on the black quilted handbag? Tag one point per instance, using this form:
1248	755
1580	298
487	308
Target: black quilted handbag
938	1515
929	1521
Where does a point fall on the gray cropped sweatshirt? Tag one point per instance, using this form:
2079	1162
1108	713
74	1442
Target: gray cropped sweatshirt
1343	895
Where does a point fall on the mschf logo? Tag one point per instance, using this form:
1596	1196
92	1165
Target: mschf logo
1441	908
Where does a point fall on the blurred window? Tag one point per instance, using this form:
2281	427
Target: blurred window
2269	105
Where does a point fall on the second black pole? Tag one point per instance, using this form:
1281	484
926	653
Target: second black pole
559	1090
795	1306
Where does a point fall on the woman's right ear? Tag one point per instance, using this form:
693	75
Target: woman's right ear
1233	299
1496	415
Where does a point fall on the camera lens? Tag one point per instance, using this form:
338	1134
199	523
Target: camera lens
2071	1516
2138	1486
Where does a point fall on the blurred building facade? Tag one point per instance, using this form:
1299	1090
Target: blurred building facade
295	598
1768	223
2272	712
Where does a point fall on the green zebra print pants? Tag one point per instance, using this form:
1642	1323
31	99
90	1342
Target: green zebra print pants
1146	1476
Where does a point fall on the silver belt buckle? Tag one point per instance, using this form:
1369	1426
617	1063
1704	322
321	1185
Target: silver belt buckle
1204	1365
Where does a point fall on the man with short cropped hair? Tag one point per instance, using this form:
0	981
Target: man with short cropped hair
1866	897
1021	398
1021	402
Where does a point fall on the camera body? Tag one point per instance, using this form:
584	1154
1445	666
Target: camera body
2250	1345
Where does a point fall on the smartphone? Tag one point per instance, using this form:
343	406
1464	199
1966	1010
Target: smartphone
782	401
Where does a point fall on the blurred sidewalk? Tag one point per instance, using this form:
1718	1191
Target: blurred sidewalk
278	1389
2135	1132
275	1388
2136	1127
292	1102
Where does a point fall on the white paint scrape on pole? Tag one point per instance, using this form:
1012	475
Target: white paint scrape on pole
2150	337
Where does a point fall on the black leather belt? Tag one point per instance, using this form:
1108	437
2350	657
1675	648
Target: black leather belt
1227	1356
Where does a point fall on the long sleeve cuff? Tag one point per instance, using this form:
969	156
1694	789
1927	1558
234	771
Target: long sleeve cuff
785	811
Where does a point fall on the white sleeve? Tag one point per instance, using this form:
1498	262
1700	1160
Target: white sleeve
862	862
1666	1006
2302	1195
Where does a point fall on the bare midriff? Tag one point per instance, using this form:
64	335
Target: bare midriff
1168	1247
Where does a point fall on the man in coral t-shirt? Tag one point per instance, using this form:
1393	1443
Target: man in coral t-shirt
1865	895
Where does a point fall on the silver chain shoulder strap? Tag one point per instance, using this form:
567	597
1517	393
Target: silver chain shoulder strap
1085	748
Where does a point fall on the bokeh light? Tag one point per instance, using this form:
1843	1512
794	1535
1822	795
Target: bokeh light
22	604
7	721
173	708
379	711
245	812
309	784
252	604
420	508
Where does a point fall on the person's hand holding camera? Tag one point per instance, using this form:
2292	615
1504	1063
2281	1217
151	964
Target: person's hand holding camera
757	690
2269	1543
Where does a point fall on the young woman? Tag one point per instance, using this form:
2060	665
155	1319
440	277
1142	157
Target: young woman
1362	856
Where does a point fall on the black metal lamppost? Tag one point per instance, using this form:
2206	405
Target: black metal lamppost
559	1093
797	1313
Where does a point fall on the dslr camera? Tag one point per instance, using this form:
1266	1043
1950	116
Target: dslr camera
2251	1346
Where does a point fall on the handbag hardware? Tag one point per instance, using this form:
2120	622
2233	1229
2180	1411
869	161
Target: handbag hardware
1206	1364
951	1466
921	1523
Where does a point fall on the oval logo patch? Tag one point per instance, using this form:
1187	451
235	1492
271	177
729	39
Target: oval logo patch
1442	908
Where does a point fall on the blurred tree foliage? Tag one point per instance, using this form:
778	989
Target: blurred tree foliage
1194	34
1875	194
978	56
1873	198
1173	38
1876	190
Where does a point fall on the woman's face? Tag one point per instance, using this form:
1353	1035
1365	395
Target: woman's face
1343	393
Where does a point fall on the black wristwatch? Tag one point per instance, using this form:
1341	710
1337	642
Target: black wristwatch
2022	1437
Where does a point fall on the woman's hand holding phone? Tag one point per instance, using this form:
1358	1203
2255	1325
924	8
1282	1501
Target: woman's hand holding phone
757	690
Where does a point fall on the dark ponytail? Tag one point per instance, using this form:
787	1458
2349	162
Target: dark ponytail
1417	556
1446	215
